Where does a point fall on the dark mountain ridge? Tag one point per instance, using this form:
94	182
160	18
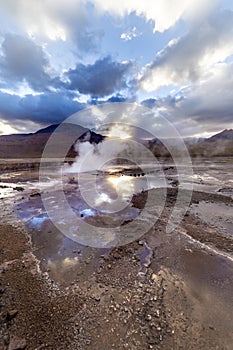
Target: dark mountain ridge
226	134
32	145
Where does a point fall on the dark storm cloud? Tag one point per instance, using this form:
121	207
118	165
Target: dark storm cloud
44	108
23	60
115	98
118	98
102	78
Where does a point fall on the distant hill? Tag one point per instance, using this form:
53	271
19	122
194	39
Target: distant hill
223	135
48	130
219	145
32	145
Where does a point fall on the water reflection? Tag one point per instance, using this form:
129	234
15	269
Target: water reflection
87	212
102	201
111	188
103	198
37	221
124	185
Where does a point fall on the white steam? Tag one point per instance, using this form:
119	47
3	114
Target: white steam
93	157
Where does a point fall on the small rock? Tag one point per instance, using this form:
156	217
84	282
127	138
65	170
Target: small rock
148	317
154	277
17	343
11	314
19	189
34	194
6	338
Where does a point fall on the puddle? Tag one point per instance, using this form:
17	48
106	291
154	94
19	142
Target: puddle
219	215
36	222
211	175
106	204
95	199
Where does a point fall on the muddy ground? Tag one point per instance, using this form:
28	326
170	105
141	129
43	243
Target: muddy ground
164	291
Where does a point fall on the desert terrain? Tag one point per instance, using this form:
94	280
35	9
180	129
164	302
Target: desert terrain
161	291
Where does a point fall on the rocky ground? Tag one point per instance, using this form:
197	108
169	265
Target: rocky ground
166	291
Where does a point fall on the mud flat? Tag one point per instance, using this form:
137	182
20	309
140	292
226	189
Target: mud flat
162	291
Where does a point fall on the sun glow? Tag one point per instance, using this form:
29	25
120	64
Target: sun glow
6	129
122	184
119	131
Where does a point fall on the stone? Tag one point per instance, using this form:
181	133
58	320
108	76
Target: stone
11	314
154	277
148	317
17	343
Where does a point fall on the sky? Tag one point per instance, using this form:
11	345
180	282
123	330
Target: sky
58	57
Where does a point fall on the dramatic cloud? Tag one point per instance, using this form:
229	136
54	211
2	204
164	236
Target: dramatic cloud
102	78
211	102
164	13
54	20
57	19
191	57
45	108
202	106
23	60
57	57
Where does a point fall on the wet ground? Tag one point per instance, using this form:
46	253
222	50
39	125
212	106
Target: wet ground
161	291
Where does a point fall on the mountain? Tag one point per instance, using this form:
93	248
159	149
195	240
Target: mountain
92	137
219	145
48	130
226	134
32	145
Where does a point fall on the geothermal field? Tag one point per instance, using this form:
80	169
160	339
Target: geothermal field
118	256
116	175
